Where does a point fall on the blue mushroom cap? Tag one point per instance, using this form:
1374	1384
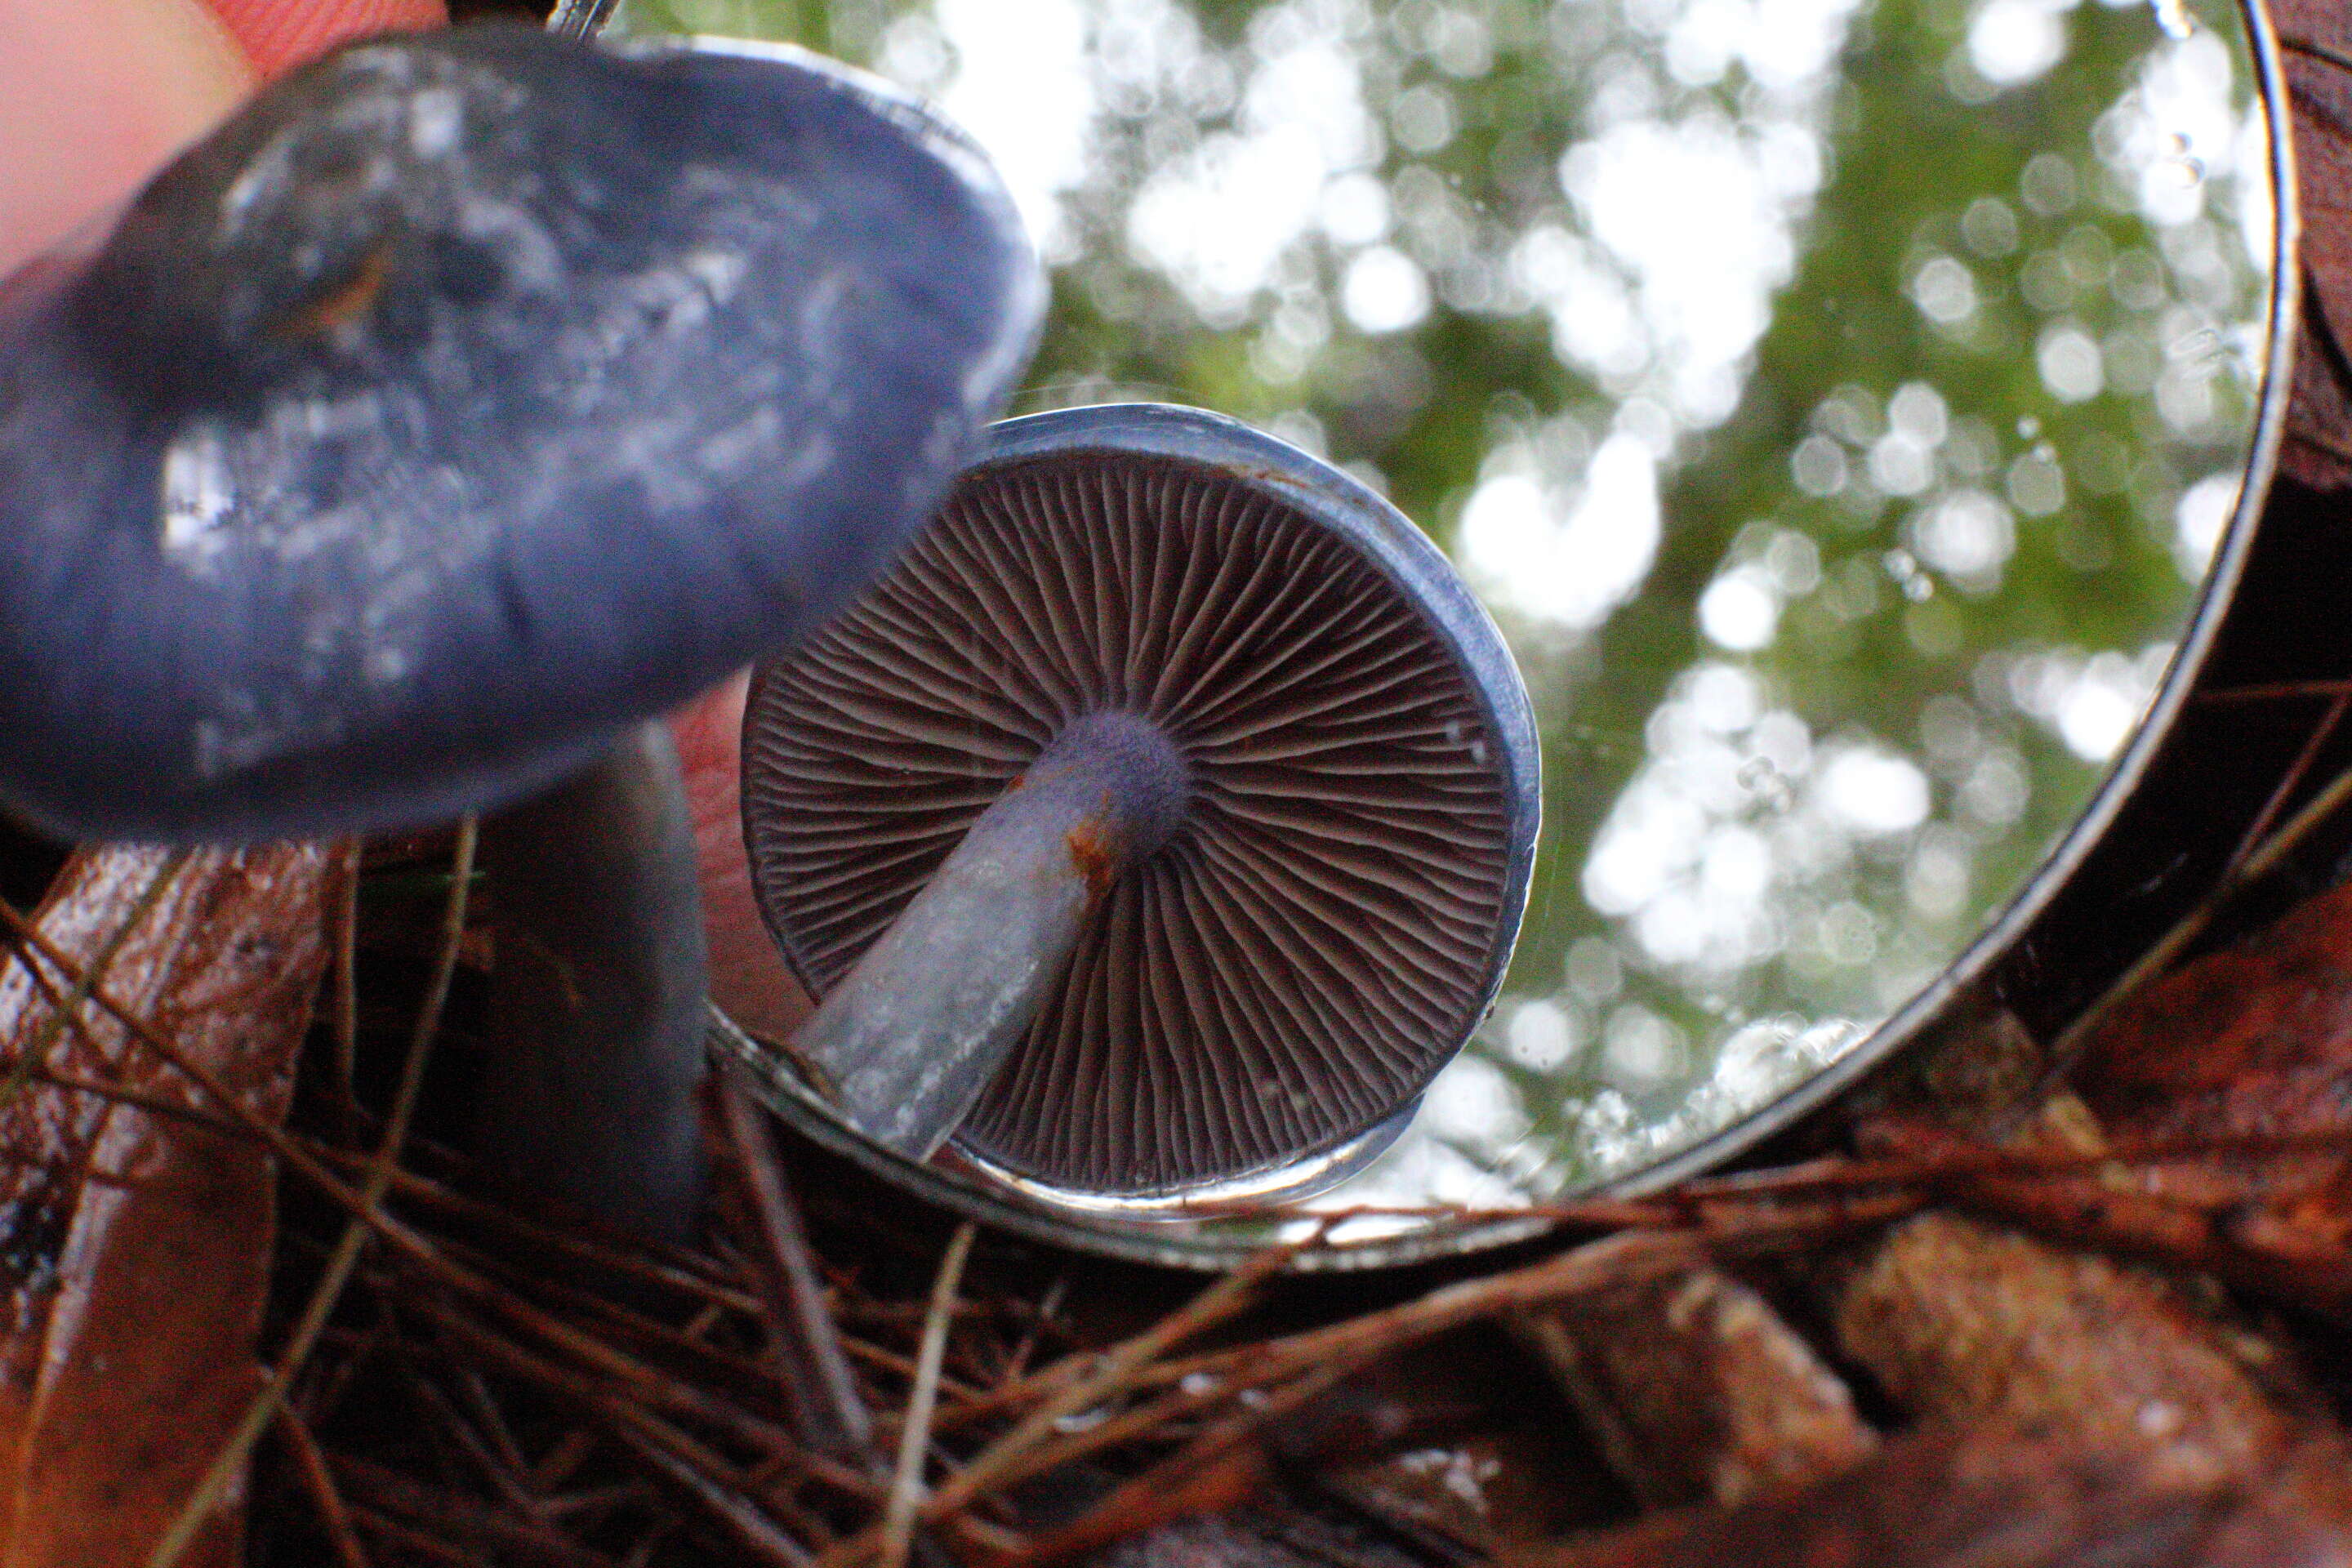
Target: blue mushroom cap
467	397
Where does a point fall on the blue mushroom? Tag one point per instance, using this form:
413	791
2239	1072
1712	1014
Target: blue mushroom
1159	826
465	399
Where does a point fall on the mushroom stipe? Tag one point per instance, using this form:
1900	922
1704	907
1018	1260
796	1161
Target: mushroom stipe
596	1001
1290	750
912	1035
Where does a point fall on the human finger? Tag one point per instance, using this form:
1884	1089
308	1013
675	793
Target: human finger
277	35
94	94
748	976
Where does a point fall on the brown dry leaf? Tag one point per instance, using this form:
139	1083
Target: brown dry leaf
1447	1494
1964	1324
1266	1534
2108	1208
2254	1040
134	1247
1447	1446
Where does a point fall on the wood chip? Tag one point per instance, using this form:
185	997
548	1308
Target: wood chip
1962	1323
1698	1391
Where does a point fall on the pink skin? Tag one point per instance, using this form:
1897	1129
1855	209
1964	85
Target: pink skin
277	35
749	979
95	95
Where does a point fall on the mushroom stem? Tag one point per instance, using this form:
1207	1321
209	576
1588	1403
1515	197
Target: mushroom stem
597	1001
914	1032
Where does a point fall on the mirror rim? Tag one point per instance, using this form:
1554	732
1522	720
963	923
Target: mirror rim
1163	1243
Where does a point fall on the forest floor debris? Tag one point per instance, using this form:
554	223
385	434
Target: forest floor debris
813	1384
2008	1315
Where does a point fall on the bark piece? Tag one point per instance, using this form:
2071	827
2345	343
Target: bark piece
2318	450
1962	1323
1698	1391
1991	1498
134	1247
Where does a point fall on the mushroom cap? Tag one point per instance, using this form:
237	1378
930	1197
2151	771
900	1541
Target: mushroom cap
467	397
1332	917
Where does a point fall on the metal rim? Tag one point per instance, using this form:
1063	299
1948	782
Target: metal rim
1162	1242
581	18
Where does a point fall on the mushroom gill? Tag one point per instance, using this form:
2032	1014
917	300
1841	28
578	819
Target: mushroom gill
1320	931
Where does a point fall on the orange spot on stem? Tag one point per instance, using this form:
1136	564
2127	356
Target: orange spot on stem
1095	852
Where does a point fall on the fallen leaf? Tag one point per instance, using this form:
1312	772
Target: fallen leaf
2255	1039
749	979
2109	1207
1963	1324
1463	1496
2318	449
1268	1534
135	1245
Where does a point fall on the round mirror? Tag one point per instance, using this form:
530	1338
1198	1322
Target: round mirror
1848	409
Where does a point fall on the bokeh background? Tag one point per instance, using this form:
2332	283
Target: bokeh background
1837	403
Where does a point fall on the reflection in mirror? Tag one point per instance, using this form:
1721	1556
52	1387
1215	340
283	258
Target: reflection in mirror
1837	403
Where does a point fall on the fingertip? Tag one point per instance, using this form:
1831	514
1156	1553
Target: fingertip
749	978
279	35
94	94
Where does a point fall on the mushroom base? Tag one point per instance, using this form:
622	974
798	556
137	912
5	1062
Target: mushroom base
596	1004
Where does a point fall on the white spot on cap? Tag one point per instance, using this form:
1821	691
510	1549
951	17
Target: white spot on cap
198	495
436	118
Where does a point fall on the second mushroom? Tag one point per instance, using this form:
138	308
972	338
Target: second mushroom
1162	821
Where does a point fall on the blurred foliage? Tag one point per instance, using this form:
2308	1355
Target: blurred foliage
2009	326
